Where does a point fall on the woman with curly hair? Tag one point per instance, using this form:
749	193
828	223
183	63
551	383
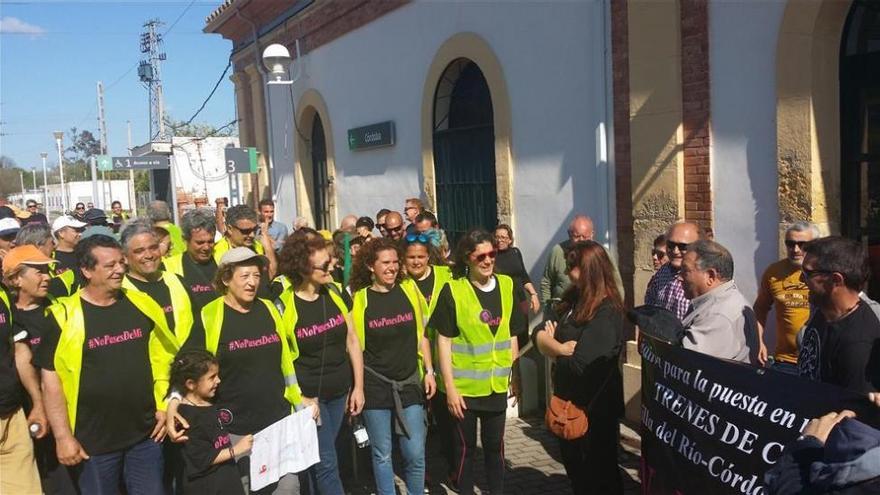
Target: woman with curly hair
388	317
478	318
330	366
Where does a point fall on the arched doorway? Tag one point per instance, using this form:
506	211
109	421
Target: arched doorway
320	182
464	150
860	130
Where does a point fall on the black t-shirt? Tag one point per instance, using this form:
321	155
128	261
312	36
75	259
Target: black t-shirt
66	260
160	293
32	322
249	351
115	408
444	321
11	391
426	286
321	335
198	279
509	262
390	348
207	439
845	352
36	218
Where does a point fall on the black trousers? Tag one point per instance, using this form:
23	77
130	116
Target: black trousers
591	461
464	437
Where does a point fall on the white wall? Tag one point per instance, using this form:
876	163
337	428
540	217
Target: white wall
742	43
552	60
200	166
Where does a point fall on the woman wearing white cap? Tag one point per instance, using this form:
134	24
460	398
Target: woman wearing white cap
258	384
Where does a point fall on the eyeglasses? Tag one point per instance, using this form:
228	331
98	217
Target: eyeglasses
659	253
80	208
245	231
790	244
422	238
324	268
395	229
810	273
681	246
482	257
380	226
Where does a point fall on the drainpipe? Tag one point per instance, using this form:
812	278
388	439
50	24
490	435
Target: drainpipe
270	141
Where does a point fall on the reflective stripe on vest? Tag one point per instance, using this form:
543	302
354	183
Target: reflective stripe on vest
212	320
68	313
481	362
174	264
223	245
5	298
182	306
409	288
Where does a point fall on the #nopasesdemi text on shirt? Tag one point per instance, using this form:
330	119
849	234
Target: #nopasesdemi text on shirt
198	278
322	368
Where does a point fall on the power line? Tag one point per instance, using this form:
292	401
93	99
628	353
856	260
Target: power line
179	17
214	90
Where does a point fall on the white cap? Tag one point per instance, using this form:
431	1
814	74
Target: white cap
9	226
240	254
66	221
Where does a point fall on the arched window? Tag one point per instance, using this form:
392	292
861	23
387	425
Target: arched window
464	150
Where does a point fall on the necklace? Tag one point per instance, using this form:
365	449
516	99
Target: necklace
847	312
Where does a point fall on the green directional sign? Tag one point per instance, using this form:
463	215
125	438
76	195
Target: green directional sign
241	160
105	163
371	136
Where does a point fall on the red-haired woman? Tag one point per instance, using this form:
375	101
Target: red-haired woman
585	335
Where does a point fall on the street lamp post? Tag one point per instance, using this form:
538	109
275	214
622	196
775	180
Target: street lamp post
59	135
45	155
276	64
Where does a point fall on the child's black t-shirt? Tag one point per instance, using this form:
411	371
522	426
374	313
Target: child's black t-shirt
207	439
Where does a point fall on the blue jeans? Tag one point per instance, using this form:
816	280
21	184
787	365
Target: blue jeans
379	427
326	472
139	466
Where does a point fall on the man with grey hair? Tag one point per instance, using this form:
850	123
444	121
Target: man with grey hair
140	246
160	214
242	223
783	291
555	279
721	323
196	265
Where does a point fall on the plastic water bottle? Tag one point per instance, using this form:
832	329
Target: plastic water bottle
34	429
359	432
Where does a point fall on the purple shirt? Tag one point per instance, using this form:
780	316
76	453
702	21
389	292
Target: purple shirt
666	291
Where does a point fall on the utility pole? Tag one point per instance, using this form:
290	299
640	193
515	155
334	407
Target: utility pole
21	177
132	196
43	156
150	73
102	129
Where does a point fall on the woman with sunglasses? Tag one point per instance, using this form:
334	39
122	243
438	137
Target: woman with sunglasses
330	366
388	318
478	318
584	334
509	262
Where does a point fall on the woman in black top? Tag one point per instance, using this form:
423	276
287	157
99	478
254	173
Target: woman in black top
209	455
585	336
509	262
330	364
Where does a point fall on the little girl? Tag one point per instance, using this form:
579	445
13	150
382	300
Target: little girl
208	455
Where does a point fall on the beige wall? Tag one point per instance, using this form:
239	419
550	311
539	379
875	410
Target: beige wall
655	127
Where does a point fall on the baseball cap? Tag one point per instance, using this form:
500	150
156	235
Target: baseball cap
9	226
67	221
24	255
94	215
240	254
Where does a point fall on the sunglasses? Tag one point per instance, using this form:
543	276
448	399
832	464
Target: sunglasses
810	273
681	246
380	226
395	229
422	238
791	244
323	268
246	231
31	206
482	257
660	254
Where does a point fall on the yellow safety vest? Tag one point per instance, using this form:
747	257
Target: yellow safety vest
183	315
68	278
223	245
285	282
359	309
212	320
68	313
5	298
481	362
174	264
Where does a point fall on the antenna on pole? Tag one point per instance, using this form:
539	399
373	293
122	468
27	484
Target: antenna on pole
150	73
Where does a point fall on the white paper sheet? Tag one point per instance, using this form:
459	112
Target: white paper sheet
287	446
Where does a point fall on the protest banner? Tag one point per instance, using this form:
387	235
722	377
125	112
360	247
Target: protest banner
286	446
716	426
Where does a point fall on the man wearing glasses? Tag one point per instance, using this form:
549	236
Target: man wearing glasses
839	344
665	288
36	216
242	223
394	226
411	208
783	290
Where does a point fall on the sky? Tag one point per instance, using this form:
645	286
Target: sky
53	53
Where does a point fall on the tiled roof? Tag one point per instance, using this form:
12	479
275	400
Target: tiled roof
219	10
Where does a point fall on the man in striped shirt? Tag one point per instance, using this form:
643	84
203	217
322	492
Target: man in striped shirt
665	288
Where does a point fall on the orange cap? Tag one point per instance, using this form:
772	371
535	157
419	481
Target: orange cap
24	255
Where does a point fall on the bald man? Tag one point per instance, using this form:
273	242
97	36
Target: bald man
665	288
394	225
348	222
555	279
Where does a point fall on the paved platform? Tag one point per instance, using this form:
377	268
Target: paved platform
533	464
